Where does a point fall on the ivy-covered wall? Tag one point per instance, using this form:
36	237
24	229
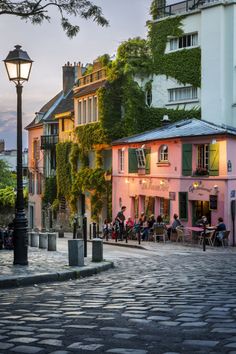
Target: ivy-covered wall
123	110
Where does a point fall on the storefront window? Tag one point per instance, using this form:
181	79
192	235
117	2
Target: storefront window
165	209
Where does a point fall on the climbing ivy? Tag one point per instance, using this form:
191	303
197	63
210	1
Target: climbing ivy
50	190
63	169
171	64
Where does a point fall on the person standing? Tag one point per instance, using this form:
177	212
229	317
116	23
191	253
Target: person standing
121	220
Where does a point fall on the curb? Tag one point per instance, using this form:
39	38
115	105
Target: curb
121	244
63	275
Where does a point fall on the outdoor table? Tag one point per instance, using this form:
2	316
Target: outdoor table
195	229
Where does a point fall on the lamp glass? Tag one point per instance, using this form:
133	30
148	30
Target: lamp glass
18	71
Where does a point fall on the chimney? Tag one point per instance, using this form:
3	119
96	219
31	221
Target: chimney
70	75
165	120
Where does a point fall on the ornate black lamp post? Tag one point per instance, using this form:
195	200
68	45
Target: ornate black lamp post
18	65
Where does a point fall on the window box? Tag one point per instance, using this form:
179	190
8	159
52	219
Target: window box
141	171
200	171
163	164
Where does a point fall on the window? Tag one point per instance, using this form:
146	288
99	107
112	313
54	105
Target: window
31	183
54	129
62	125
121	160
38	183
182	94
149	96
165	209
36	149
189	40
89	110
183	205
79	112
203	156
84	111
163	153
141	158
95	109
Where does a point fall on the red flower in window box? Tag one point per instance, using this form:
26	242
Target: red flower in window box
201	171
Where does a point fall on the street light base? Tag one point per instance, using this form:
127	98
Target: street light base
20	239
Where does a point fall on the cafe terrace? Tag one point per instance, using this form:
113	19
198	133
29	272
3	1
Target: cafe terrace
188	168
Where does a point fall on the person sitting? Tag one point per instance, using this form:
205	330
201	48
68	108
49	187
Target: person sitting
143	226
129	225
106	229
174	225
219	234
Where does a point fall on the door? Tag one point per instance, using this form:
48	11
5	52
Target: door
200	208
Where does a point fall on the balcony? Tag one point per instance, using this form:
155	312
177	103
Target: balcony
181	7
48	142
93	77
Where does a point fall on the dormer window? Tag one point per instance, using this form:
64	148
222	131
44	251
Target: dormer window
141	158
163	153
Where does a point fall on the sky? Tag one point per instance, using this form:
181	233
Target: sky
50	48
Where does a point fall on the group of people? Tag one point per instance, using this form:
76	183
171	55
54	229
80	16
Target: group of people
122	227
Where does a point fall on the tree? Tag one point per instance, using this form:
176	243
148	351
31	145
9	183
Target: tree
7	178
37	11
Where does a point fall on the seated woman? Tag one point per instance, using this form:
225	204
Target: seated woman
220	227
176	222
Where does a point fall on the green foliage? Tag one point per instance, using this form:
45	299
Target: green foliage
63	170
104	59
7	178
37	12
171	64
50	190
156	8
7	197
90	135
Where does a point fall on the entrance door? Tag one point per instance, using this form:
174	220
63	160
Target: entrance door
149	205
200	208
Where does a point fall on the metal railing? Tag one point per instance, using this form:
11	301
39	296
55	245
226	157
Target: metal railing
48	141
181	7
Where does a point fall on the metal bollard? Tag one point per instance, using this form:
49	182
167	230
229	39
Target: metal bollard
97	250
76	252
43	240
34	239
52	241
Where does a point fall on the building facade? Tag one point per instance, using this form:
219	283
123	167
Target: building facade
185	168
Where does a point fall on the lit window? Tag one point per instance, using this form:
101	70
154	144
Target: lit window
182	94
203	156
188	40
121	160
141	158
163	153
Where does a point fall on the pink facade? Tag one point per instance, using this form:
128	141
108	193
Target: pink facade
36	168
165	190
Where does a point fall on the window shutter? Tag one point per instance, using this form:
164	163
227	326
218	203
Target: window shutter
187	159
133	164
214	159
148	159
183	206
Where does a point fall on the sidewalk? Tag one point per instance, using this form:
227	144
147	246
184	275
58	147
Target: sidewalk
46	266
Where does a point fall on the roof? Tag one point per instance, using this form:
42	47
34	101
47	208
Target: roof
85	90
181	129
65	105
43	111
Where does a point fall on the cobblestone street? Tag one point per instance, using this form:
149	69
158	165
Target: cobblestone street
170	301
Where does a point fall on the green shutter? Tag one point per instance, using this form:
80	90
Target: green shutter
183	206
133	164
214	159
187	159
148	159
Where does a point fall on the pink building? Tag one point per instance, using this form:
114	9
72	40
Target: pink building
185	168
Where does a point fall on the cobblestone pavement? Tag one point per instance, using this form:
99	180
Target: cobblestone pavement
163	300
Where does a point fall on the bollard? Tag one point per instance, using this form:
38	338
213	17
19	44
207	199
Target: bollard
52	241
76	252
61	233
94	230
43	240
34	239
85	235
97	250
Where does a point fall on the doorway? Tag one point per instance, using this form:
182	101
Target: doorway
200	208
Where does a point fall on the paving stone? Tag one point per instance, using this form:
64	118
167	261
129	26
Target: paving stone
124	335
159	318
126	351
54	342
49	336
231	345
5	346
201	343
81	346
25	340
26	349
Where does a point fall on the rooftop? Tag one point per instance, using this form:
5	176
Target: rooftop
182	129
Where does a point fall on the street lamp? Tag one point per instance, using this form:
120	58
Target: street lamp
18	65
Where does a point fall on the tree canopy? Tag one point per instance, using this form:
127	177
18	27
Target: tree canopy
37	11
7	178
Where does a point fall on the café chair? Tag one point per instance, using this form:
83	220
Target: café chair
209	237
224	237
159	232
182	234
